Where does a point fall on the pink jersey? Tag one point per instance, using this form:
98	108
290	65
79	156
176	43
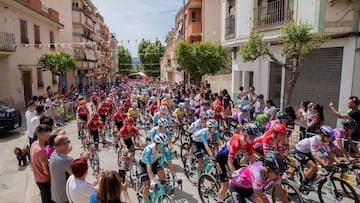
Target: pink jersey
252	176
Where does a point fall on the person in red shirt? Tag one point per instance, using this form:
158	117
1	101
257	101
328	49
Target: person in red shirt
82	114
119	118
102	95
127	104
111	106
94	100
93	126
271	140
103	111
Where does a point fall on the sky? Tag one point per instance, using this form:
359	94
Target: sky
134	20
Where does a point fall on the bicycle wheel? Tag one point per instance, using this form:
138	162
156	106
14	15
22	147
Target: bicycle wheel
291	192
82	137
96	164
164	199
184	138
184	149
190	168
337	190
208	188
134	174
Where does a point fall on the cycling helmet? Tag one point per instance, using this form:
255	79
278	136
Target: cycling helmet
163	109
95	116
210	113
163	122
282	116
134	105
181	105
327	131
94	93
168	96
212	123
251	129
349	123
161	138
122	109
262	118
275	162
109	100
154	102
164	103
279	128
203	114
82	102
104	103
129	121
206	103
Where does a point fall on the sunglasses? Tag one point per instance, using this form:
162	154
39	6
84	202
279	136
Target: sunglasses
252	137
353	128
162	145
277	173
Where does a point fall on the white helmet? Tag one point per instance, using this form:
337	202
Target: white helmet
181	105
203	114
161	138
134	105
163	122
163	109
211	123
210	113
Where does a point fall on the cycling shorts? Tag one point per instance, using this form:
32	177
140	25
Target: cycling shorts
155	167
199	149
303	158
239	195
95	136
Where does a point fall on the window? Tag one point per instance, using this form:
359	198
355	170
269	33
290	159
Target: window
54	81
193	16
52	45
24	34
37	35
251	79
40	77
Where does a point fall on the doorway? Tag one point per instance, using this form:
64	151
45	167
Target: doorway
26	76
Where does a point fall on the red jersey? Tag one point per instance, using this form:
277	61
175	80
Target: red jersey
117	117
218	116
103	109
267	142
94	99
92	126
82	111
124	133
127	105
235	146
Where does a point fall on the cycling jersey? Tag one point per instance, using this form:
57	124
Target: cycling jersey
157	116
133	112
339	134
92	126
197	125
267	142
252	177
103	109
125	134
179	113
82	111
153	108
143	98
271	123
154	131
234	146
150	155
94	99
218	116
312	145
119	118
201	109
203	136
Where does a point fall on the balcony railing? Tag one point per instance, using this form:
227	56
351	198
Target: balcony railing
273	14
7	42
230	27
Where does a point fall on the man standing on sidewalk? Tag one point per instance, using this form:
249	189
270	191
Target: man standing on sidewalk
40	162
29	114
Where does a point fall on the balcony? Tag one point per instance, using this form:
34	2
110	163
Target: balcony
230	27
7	42
273	15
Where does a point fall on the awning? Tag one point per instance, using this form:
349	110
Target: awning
90	55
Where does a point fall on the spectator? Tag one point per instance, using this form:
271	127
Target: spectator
35	121
241	93
301	115
29	114
78	190
40	162
353	104
289	110
251	95
270	109
317	119
259	106
110	189
50	144
60	168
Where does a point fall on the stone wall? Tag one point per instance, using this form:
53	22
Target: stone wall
219	82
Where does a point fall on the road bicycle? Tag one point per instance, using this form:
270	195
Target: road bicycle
128	164
83	132
157	194
93	158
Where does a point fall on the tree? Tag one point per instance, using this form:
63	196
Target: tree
57	63
150	54
125	60
297	40
202	58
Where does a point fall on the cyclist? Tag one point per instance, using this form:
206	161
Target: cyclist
162	127
306	152
271	140
205	106
127	133
261	121
163	113
280	118
111	106
103	111
102	95
199	123
82	114
201	142
94	100
179	114
93	126
336	146
119	118
127	103
238	144
149	163
134	111
248	182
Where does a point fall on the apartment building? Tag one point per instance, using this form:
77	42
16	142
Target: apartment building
331	72
28	29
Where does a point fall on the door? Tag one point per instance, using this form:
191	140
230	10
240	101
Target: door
26	76
275	83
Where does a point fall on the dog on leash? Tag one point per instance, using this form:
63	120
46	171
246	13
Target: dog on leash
21	154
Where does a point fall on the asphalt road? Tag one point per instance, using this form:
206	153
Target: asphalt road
17	183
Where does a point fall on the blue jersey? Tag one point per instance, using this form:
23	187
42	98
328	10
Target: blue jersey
155	130
204	136
157	117
150	155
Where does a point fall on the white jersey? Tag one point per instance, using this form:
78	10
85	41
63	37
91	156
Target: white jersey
312	145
